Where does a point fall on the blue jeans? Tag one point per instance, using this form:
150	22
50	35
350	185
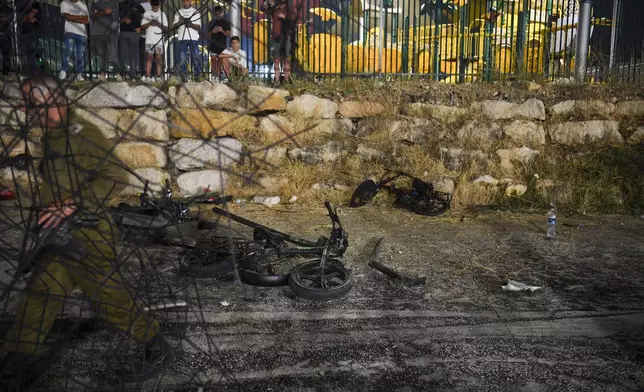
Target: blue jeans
195	59
78	42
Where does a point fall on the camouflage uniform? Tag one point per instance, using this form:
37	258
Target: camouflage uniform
78	164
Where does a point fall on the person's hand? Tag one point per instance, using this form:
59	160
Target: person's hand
137	30
56	213
126	20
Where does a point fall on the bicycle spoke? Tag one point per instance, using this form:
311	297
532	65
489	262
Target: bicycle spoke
312	278
334	275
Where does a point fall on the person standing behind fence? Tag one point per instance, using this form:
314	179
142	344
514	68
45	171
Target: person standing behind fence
218	32
142	55
76	17
104	26
188	22
283	19
29	16
130	14
155	24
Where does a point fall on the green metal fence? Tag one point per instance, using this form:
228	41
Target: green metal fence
451	41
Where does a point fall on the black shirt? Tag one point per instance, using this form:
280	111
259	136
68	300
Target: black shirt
218	40
133	11
23	8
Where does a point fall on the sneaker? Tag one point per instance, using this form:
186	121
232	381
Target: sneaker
118	78
80	78
159	79
224	80
62	75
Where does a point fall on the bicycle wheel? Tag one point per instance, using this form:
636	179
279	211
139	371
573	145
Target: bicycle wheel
308	282
364	193
260	269
428	206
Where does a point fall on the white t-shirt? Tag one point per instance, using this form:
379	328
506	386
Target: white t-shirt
77	8
184	33
154	34
238	58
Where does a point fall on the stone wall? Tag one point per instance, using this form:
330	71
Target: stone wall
258	141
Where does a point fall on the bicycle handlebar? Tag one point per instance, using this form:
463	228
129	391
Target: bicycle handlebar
335	219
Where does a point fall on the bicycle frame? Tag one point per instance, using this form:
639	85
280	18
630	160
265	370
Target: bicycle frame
160	214
254	225
338	236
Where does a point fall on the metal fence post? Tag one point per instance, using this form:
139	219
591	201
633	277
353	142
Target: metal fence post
345	35
487	44
524	16
583	38
235	18
405	48
613	33
436	42
461	55
547	40
381	31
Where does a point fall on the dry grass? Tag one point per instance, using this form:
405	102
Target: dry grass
300	179
414	89
608	180
583	178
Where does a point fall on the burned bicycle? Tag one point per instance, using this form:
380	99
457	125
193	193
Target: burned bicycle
318	274
162	221
420	199
322	277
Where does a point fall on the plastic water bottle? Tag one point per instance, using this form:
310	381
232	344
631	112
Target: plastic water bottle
552	224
